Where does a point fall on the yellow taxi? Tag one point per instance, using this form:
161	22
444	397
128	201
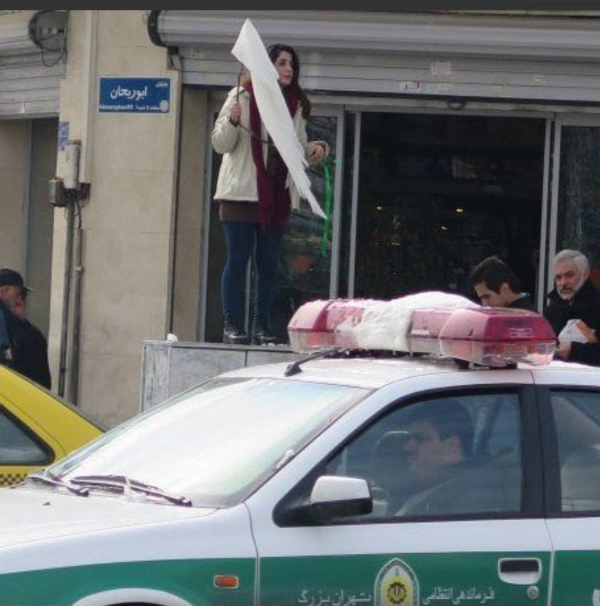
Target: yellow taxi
36	427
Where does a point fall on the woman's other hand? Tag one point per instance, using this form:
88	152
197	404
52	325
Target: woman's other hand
316	155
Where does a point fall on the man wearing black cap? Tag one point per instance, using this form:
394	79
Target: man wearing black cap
29	348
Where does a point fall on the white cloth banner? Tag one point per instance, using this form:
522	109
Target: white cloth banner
250	50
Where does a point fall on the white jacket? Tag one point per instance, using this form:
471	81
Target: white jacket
237	175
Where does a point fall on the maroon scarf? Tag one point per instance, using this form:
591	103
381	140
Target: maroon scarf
273	196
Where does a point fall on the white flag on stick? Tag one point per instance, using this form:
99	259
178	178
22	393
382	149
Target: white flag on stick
250	50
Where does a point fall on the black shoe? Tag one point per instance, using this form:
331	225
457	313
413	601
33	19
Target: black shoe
232	335
261	336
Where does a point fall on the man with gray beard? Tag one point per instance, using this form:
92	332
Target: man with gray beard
574	302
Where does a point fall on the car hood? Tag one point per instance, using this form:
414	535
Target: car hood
28	515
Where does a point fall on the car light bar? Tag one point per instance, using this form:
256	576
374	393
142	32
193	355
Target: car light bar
457	329
325	324
494	336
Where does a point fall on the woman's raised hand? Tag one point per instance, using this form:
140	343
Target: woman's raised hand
235	113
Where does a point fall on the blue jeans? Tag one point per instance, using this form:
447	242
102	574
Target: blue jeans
242	239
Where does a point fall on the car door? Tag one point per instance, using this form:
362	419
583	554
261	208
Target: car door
479	539
572	446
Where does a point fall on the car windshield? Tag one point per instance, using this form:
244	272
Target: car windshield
217	442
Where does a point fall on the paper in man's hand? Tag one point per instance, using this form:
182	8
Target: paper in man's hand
577	331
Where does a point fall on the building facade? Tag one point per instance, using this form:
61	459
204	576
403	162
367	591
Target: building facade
454	135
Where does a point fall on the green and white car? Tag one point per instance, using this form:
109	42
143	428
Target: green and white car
293	484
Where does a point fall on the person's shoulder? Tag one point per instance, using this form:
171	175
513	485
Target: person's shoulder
594	299
34	330
523	302
595	289
588	292
553	298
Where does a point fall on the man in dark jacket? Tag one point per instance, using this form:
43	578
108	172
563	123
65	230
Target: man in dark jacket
575	298
28	347
497	285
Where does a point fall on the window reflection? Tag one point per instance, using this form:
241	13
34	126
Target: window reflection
438	193
16	446
578	223
455	455
306	261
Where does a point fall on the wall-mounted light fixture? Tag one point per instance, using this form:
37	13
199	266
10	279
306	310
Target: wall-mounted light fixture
48	30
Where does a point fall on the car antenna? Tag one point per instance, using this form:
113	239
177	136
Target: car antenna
294	368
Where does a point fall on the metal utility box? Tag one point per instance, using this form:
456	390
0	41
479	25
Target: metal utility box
170	367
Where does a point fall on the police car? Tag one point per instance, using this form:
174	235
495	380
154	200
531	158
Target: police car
326	481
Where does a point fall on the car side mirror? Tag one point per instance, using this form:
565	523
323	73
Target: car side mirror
339	496
326	498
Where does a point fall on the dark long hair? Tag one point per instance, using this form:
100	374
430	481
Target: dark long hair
274	50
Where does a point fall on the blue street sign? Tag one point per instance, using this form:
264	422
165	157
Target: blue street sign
63	135
135	95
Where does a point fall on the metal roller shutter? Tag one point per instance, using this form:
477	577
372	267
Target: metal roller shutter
29	76
398	53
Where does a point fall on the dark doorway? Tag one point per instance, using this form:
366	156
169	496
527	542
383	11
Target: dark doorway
438	193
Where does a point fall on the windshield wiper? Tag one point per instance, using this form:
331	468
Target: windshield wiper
123	483
51	480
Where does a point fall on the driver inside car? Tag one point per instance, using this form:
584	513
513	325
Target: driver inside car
437	448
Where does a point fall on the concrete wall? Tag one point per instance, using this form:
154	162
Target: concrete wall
189	222
129	159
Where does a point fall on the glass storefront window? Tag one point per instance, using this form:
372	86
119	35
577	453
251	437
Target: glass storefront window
438	193
578	224
305	269
427	198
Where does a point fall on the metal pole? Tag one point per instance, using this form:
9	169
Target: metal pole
75	339
64	330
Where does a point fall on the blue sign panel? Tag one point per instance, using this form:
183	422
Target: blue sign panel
63	135
135	95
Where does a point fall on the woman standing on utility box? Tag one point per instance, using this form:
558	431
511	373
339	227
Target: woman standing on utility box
255	194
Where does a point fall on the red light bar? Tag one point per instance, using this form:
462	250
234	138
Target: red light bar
325	324
494	336
425	329
468	332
